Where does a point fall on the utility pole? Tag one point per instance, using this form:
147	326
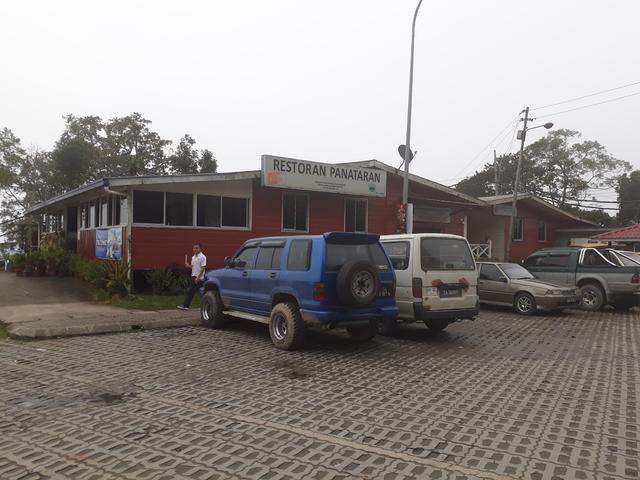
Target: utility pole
407	145
512	221
496	173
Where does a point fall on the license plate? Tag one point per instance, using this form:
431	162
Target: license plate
384	292
450	292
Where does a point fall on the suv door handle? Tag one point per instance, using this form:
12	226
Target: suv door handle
273	275
245	274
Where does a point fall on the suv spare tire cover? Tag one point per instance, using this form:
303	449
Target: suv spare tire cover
358	283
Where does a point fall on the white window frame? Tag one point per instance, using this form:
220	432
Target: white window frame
366	213
282	229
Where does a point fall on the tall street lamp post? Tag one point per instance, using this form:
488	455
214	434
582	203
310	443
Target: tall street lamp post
522	135
407	146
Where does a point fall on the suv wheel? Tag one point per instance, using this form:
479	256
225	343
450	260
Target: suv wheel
363	333
358	283
211	310
593	298
525	304
286	326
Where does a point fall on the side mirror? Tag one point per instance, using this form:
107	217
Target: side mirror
228	262
503	279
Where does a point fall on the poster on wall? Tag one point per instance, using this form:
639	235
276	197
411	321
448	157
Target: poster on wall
109	243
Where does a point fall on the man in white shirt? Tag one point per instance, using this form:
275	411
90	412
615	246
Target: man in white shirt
198	265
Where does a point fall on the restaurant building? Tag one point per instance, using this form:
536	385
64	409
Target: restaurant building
153	221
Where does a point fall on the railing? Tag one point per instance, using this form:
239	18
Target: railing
481	250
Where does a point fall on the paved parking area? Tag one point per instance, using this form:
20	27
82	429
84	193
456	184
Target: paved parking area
504	397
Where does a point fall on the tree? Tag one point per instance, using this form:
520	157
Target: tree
73	163
556	168
185	157
207	163
629	198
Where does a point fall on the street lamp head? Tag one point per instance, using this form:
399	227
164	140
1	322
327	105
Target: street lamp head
548	125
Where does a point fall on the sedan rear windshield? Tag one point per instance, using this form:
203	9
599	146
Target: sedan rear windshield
338	254
445	254
516	272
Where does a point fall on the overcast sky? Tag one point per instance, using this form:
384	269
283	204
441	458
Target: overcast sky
323	80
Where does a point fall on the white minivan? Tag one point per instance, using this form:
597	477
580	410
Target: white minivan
436	279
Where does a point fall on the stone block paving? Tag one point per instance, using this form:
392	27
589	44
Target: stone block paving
504	397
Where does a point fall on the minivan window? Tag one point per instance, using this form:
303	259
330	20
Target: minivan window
398	253
445	254
339	253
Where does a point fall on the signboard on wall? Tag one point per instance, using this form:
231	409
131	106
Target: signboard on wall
422	213
502	210
109	243
283	172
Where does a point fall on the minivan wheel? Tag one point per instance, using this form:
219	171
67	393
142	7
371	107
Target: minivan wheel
363	333
357	283
525	304
211	313
593	298
286	326
436	325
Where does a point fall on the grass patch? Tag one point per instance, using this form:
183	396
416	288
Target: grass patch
3	330
145	301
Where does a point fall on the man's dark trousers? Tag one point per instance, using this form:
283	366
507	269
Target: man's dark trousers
194	288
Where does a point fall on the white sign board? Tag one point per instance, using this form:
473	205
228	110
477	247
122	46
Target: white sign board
322	177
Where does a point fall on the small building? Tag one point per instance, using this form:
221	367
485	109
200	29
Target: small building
537	225
153	221
628	238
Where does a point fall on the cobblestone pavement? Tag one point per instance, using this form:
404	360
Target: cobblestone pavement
501	398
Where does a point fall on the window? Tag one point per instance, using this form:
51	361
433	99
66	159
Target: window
245	258
269	258
554	261
84	215
235	212
179	209
148	207
490	272
542	232
516	272
104	211
299	255
295	210
208	211
398	253
445	254
355	215
594	258
112	214
339	253
92	215
518	229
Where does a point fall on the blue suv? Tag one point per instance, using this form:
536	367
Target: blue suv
330	280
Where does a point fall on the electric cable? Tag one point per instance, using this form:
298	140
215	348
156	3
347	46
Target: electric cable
586	96
588	106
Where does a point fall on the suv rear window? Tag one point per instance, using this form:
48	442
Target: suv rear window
445	254
339	253
299	255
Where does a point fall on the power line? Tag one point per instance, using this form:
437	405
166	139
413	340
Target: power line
491	143
586	96
589	105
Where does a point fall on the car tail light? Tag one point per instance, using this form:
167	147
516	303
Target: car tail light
416	287
319	292
635	278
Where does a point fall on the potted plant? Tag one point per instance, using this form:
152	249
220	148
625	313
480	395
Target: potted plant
29	265
18	263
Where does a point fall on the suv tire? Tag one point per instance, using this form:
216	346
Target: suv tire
211	313
286	326
363	333
593	298
358	283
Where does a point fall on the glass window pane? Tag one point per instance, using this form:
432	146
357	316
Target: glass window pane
288	212
361	216
208	210
277	257
398	253
179	209
234	212
148	207
299	253
263	261
338	254
245	258
301	213
349	215
445	254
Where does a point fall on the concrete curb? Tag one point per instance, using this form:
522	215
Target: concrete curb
43	329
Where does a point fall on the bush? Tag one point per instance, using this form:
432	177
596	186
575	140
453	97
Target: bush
18	261
162	280
53	256
118	281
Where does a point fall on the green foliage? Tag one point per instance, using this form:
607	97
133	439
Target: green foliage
163	281
117	278
207	163
108	277
629	198
18	262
